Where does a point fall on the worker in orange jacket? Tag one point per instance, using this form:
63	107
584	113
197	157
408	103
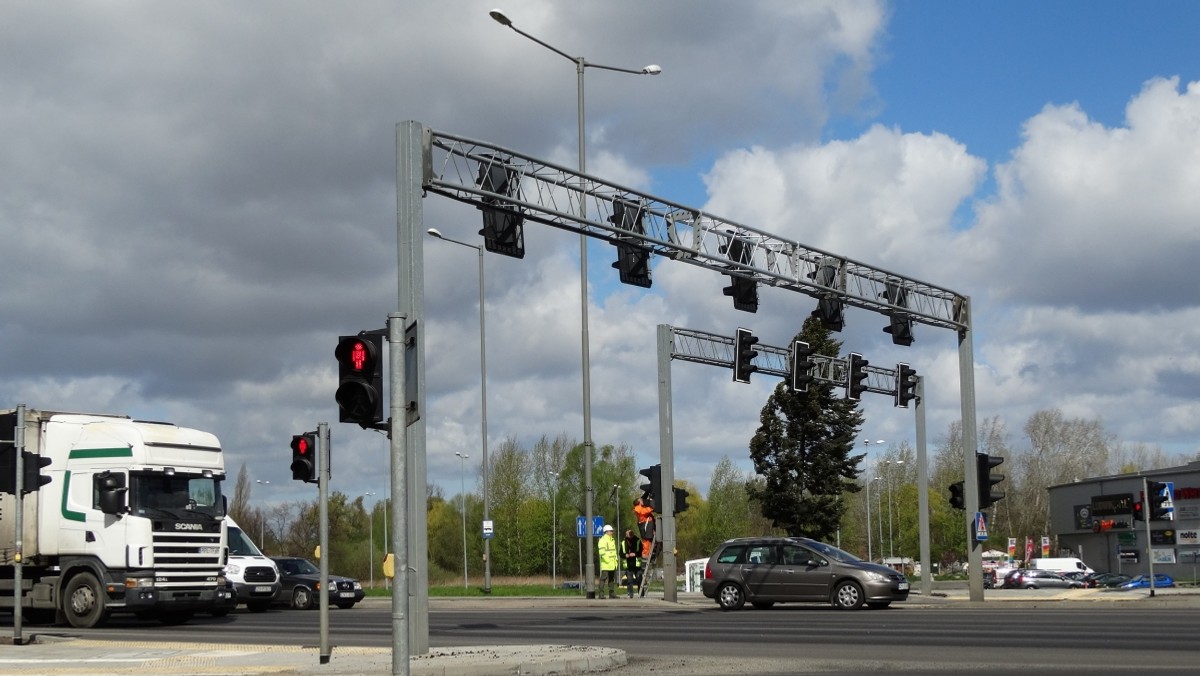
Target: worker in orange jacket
643	508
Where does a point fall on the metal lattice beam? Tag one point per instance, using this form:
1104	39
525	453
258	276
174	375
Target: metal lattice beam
717	350
551	194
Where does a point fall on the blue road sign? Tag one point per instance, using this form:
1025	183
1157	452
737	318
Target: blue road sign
597	526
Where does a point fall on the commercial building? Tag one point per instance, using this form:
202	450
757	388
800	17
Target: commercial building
1099	521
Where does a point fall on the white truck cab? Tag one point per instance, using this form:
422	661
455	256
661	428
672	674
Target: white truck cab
255	577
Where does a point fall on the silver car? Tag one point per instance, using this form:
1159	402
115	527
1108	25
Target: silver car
770	570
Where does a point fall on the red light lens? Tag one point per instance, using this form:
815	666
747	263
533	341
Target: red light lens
302	446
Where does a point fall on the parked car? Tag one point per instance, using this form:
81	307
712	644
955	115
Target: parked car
1028	578
768	570
1161	580
301	582
1096	580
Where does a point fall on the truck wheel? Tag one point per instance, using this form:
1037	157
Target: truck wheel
302	598
84	602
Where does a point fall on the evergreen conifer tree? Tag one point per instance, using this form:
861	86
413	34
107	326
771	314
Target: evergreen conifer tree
802	450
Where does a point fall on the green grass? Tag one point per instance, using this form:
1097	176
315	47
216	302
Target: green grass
498	589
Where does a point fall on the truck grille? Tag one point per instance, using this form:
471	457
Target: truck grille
187	559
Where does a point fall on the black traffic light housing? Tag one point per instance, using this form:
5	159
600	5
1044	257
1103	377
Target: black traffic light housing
743	290
856	376
830	310
1159	507
651	491
681	496
633	259
901	326
304	457
32	463
987	480
802	366
503	227
906	384
1139	511
958	495
743	355
359	394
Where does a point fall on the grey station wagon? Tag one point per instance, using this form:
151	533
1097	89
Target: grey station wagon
770	570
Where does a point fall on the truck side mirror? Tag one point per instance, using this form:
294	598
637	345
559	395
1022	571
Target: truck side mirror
110	491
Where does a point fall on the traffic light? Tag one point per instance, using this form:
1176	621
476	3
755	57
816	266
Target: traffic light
32	479
743	355
901	326
681	496
986	480
32	468
503	228
743	289
360	379
633	260
304	457
802	366
1158	499
958	495
856	377
829	308
651	491
1139	511
906	384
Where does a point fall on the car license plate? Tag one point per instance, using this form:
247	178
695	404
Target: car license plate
263	589
346	595
903	586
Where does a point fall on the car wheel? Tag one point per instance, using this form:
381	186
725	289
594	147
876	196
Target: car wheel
302	598
730	597
763	605
847	595
85	602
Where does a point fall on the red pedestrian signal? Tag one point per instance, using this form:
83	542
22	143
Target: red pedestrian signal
359	394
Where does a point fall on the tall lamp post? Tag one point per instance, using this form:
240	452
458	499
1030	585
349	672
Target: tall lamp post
554	532
483	433
462	457
371	539
867	443
581	64
262	521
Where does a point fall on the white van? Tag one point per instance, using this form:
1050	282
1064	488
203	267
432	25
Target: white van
254	576
1068	564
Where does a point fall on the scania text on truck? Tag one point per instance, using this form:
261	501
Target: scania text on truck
131	521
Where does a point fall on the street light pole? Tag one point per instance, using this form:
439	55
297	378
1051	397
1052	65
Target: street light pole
581	64
462	457
554	532
371	540
483	432
262	521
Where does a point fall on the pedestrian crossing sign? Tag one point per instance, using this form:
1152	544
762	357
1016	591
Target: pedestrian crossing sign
981	534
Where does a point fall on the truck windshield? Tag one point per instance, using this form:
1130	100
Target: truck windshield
180	496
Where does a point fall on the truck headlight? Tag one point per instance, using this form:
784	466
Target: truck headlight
134	582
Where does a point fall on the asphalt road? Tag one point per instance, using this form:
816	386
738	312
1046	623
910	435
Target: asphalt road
1090	637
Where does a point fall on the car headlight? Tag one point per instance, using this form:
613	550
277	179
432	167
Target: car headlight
876	577
357	584
233	569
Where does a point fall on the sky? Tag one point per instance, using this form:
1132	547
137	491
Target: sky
197	199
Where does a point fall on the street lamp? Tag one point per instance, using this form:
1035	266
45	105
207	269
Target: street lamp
483	434
262	521
891	480
462	457
554	532
581	64
867	443
371	539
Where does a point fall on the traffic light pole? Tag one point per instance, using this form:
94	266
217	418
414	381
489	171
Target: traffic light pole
923	489
323	527
666	455
18	522
1148	514
966	375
